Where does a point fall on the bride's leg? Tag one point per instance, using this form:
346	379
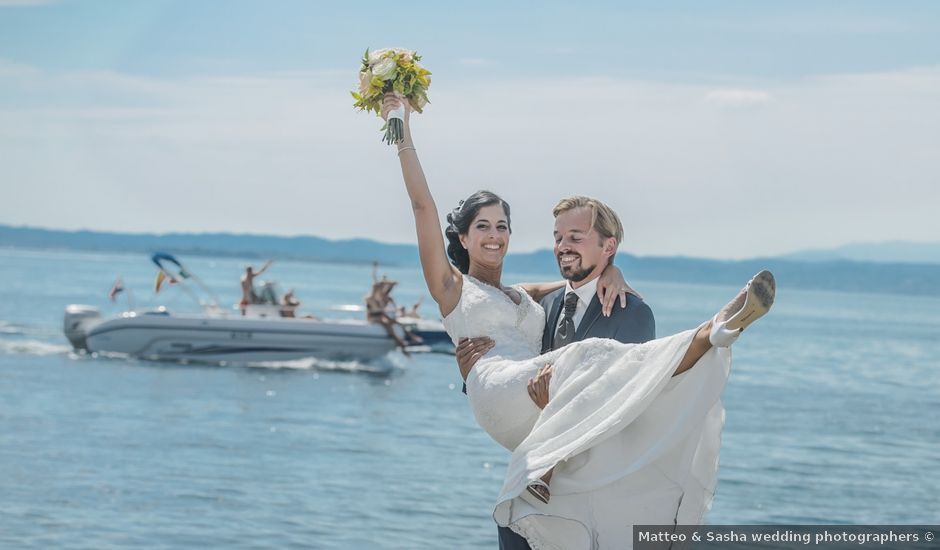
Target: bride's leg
750	304
697	348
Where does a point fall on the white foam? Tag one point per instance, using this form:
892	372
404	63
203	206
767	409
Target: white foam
33	347
9	328
380	366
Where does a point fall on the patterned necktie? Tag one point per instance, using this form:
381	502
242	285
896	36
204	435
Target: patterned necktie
565	333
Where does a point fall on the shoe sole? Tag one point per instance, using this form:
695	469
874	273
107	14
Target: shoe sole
757	302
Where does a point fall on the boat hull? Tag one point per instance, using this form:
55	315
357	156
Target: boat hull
236	340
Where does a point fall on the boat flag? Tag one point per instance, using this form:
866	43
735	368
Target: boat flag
161	277
172	272
116	288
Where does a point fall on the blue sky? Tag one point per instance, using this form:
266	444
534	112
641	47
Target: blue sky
653	39
804	123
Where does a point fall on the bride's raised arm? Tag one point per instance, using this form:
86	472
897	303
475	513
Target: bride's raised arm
443	280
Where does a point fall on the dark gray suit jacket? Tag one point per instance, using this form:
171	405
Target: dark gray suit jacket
633	325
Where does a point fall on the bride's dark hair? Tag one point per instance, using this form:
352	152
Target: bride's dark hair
459	220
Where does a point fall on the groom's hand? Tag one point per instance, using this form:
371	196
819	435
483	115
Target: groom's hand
538	386
470	350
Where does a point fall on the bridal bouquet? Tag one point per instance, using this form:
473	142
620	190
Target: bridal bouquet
392	70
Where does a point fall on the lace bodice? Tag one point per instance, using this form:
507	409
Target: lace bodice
484	310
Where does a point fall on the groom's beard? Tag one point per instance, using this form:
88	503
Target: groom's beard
576	275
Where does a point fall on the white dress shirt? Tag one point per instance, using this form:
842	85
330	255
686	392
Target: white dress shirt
585	294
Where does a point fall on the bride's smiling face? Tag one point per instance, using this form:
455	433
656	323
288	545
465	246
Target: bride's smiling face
487	238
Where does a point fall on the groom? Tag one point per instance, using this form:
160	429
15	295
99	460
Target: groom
587	233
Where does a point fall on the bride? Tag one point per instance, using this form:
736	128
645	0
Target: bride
601	389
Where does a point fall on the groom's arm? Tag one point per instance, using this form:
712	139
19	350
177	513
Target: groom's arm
538	291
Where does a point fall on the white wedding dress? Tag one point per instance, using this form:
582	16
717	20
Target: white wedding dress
631	444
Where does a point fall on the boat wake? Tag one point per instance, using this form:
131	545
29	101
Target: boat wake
381	366
12	343
42	332
19	339
10	328
32	347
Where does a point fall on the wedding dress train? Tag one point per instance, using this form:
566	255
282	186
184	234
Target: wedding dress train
630	443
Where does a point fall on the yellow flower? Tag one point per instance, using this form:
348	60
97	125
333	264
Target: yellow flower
418	102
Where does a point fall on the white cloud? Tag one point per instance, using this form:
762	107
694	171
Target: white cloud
558	50
737	98
825	161
474	62
17	71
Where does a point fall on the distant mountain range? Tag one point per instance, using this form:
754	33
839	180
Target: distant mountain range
892	252
823	270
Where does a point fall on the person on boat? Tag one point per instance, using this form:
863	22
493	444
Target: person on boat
638	400
289	304
248	285
411	313
378	302
382	287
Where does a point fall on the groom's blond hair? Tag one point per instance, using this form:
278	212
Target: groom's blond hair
603	218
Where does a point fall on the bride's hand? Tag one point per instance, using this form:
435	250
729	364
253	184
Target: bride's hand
391	102
610	286
538	386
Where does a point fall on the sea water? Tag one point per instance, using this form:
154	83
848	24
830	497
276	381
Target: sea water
831	418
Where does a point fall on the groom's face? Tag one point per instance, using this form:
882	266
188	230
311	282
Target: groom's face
582	253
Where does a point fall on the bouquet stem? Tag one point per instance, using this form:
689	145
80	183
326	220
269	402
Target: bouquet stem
394	131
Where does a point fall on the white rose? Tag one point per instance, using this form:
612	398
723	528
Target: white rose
385	69
375	56
406	55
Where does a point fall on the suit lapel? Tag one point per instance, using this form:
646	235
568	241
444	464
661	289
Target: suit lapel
590	316
549	341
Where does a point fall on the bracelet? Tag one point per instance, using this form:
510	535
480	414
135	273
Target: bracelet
405	149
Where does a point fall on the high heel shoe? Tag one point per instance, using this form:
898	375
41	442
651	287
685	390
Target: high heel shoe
539	489
752	303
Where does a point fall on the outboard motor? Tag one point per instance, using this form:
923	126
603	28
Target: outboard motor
77	320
